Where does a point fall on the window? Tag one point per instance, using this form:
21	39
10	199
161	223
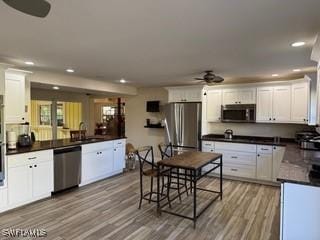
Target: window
45	115
60	122
108	113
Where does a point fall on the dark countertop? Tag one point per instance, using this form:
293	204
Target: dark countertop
247	139
296	165
53	144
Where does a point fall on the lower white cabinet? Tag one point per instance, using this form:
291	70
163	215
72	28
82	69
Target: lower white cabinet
3	198
102	160
119	155
264	166
30	177
259	162
264	162
300	212
277	156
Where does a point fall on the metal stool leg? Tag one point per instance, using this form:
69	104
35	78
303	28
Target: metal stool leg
141	191
151	190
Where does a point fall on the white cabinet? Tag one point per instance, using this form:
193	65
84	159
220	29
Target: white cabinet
184	94
42	178
300	102
20	184
264	162
239	159
97	161
281	104
239	96
274	104
14	98
208	146
264	166
277	156
3	198
102	160
247	95
264	104
213	105
300	212
258	162
119	155
30	177
230	96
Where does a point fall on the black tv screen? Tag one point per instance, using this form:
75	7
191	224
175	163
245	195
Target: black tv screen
153	106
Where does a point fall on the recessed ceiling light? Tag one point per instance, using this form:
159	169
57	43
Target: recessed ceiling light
123	80
55	88
298	44
275	75
69	70
297	70
29	63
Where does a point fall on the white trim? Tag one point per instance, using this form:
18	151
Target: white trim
257	84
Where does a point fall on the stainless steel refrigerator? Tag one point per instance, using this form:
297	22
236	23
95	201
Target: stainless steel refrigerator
183	124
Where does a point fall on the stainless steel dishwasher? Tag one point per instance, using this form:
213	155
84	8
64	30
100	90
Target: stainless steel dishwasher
67	167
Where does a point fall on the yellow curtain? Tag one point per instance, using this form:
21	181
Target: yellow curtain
72	115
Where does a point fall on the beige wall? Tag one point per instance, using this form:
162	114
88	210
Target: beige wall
136	116
258	129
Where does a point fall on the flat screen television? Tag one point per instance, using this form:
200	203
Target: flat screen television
153	106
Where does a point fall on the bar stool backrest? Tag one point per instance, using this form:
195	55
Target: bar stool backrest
145	155
166	150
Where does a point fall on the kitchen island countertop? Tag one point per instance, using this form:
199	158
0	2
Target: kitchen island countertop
54	144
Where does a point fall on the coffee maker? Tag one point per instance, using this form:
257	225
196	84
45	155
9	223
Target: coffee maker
24	139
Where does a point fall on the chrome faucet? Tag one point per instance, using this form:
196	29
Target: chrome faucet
81	126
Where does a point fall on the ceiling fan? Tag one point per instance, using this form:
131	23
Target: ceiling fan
210	77
36	8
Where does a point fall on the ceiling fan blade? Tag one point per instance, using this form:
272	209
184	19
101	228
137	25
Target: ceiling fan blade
37	8
218	79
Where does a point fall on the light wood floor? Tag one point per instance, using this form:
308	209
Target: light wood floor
109	210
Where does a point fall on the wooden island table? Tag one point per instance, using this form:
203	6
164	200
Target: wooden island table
194	163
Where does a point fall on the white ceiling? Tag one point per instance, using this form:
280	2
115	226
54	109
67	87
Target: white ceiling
165	42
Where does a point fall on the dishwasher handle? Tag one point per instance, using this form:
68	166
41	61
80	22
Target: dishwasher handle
67	150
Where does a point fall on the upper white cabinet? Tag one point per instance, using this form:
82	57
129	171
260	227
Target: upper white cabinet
184	94
284	103
239	96
264	104
300	102
281	104
14	97
213	100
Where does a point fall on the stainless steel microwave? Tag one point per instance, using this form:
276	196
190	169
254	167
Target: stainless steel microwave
238	113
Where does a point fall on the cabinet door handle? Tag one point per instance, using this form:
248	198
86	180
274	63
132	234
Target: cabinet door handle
234	157
234	169
264	149
270	119
35	165
274	119
30	166
274	148
258	155
32	158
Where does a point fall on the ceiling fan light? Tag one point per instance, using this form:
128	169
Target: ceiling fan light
36	8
